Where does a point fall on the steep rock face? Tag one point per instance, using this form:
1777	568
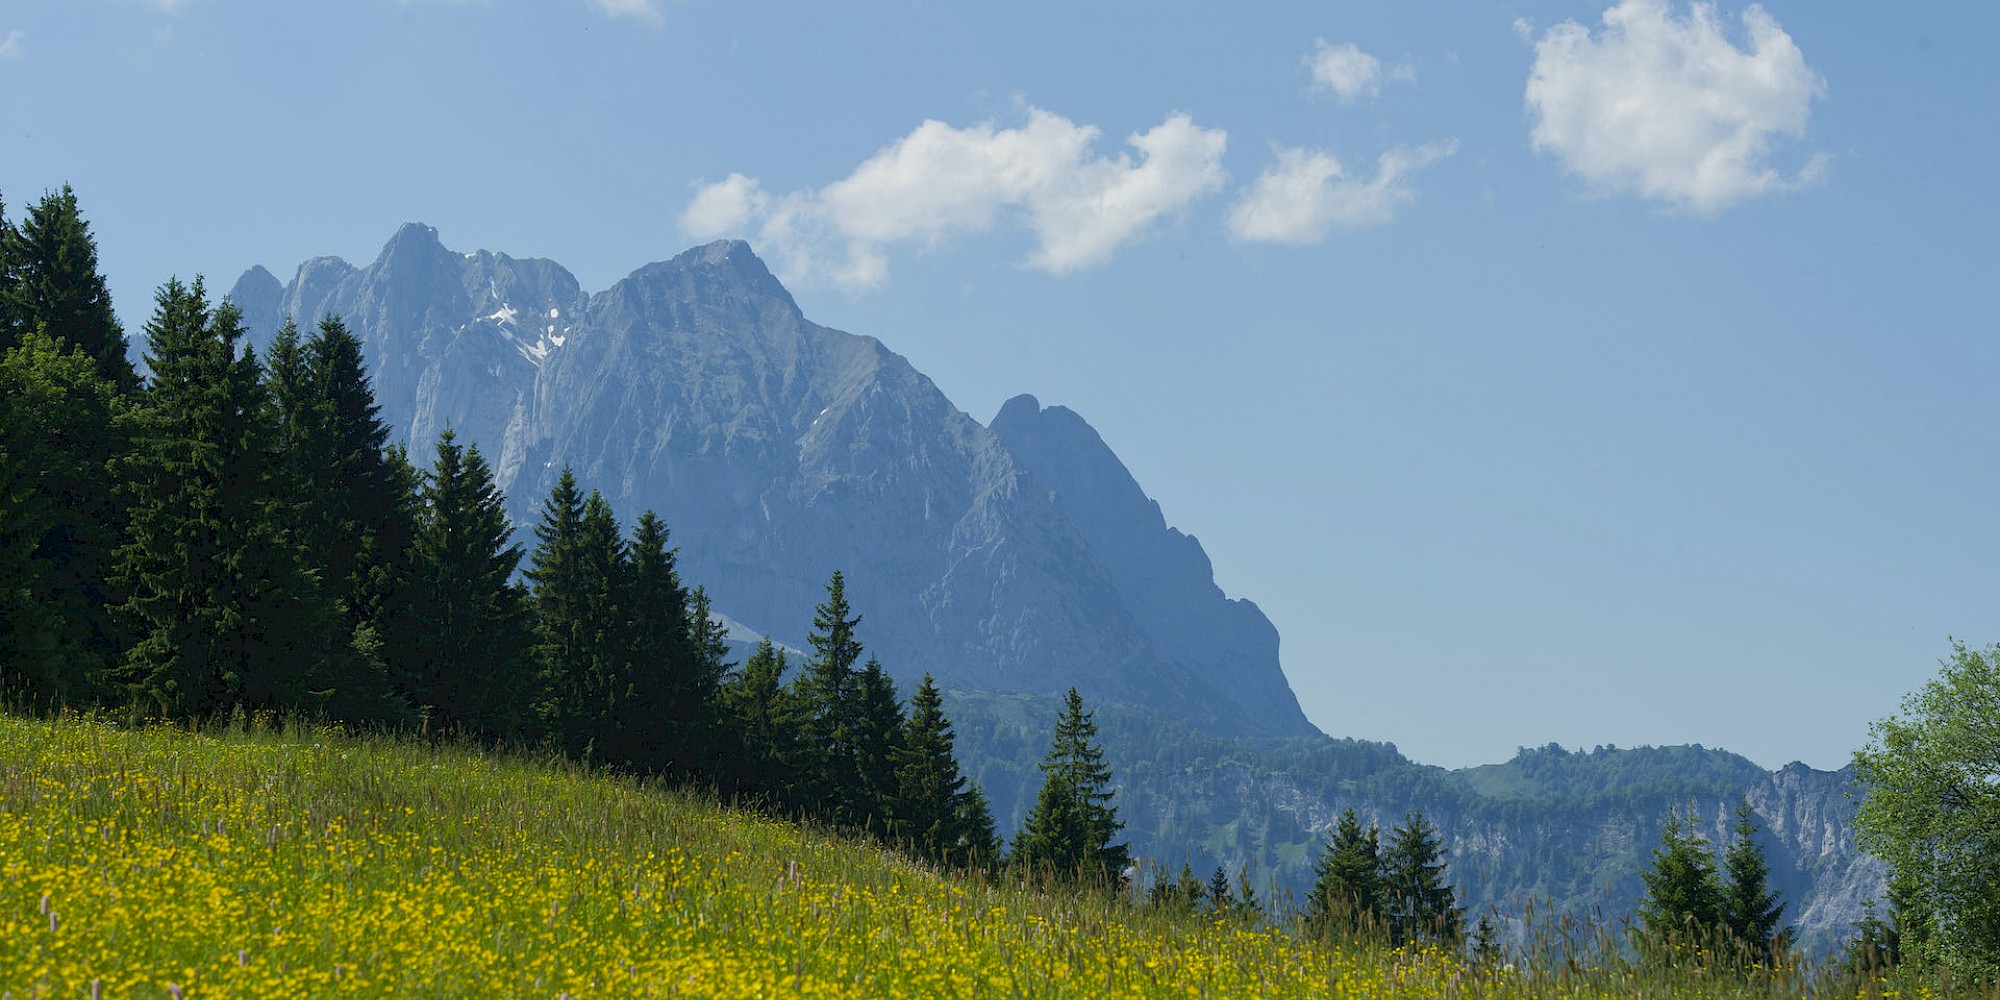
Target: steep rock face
1162	575
779	450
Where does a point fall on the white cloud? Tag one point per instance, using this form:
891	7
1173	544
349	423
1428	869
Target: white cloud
1667	107
1350	73
643	11
940	181
1308	194
13	45
725	207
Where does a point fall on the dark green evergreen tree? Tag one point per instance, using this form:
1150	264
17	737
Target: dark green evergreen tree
575	569
670	720
1068	831
1486	943
1417	903
345	503
1683	897
878	749
61	424
1347	893
359	523
828	696
931	791
469	668
765	723
979	844
54	283
1750	908
1247	906
220	607
1220	898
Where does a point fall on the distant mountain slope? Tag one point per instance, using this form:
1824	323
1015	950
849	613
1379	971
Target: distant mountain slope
1551	827
1018	558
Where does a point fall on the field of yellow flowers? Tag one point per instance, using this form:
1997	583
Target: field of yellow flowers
300	862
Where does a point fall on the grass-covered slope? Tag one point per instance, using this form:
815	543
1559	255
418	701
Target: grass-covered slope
305	863
302	862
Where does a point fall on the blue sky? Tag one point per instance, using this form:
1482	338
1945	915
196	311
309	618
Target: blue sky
1548	371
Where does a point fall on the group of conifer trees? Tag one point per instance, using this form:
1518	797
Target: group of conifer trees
234	534
1690	900
1361	888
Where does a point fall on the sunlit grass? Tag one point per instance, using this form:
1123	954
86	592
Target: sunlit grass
302	862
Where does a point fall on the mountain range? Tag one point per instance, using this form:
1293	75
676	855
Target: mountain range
1011	559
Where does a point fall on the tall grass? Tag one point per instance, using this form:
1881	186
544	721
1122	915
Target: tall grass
300	861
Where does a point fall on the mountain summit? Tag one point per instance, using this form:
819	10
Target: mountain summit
1017	557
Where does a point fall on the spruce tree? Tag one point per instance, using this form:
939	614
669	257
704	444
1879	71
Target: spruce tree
360	528
1220	898
765	723
1417	903
1485	943
1068	831
670	719
1347	893
979	844
61	424
931	791
470	666
345	503
54	283
878	748
827	692
1683	896
1750	909
575	569
220	607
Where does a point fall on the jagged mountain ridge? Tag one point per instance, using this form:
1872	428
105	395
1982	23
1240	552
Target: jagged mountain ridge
1021	557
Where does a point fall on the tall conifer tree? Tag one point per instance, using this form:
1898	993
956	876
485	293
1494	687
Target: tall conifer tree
1347	890
1419	905
576	568
931	791
55	284
1750	909
61	424
1069	829
878	740
670	720
222	612
1683	895
470	667
827	696
764	719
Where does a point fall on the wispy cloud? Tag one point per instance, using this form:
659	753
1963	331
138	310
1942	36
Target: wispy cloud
939	181
1665	106
1349	73
14	44
645	12
1307	194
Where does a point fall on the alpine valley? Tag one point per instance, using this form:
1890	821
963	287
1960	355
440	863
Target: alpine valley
1011	559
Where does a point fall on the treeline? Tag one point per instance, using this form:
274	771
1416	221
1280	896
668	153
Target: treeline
234	535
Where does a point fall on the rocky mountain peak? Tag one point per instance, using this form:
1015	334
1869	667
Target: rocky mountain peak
1023	557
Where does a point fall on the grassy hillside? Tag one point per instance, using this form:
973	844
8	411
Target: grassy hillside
306	863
